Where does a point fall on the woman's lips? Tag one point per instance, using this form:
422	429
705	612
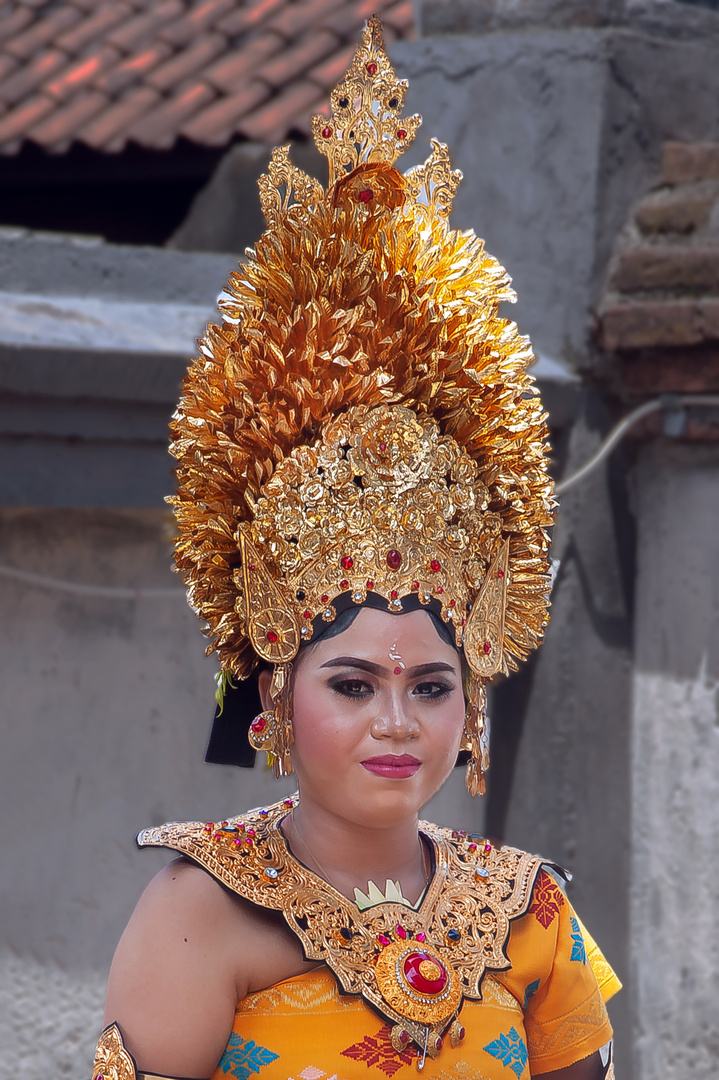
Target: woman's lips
393	766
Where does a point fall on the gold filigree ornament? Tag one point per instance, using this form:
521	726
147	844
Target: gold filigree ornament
112	1060
414	967
362	421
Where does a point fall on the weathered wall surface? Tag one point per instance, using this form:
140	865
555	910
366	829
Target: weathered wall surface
556	132
105	711
570	790
675	750
105	708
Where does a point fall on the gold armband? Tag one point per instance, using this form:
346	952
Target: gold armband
112	1060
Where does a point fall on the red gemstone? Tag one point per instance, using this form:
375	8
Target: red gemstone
344	584
464	622
472	847
394	559
500	573
420	982
415	584
237	842
241	826
382	939
461	1033
251	566
488	848
401	931
250	832
326	132
440	589
272	636
451	603
435	566
403	1036
100	1076
249	843
383	446
347	562
394	594
372	69
439	1043
370	583
401	134
421	936
258	725
487	647
398	671
209	826
307	614
287	802
324	598
366	195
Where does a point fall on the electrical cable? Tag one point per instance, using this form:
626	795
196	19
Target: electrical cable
673	402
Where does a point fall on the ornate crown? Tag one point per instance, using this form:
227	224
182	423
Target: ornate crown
362	421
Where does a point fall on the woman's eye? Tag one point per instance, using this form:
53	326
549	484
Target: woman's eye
433	690
352	688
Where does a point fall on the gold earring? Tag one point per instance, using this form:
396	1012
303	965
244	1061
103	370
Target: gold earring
475	737
271	731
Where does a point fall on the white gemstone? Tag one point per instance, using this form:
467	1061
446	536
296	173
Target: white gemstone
271	873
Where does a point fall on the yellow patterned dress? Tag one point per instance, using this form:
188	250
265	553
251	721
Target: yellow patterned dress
530	983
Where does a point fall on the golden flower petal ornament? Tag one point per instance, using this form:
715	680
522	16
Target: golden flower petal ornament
362	420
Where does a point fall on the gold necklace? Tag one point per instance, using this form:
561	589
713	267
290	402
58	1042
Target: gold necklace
413	966
374	895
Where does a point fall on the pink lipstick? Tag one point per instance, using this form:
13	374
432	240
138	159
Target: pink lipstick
392	766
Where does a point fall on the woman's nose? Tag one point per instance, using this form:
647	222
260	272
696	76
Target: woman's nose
394	722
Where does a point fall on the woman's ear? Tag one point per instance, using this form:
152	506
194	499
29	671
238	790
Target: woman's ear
264	680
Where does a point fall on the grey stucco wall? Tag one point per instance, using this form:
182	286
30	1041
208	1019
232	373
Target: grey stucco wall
557	132
675	754
105	709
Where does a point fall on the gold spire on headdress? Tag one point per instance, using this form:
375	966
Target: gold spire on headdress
362	421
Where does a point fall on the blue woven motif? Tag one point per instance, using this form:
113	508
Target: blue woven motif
510	1050
579	952
530	991
242	1058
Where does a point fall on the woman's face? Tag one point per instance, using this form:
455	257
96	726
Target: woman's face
378	713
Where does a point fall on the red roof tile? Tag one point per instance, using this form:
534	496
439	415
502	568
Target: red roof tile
132	70
267	124
104	128
106	72
187	62
61	125
24	81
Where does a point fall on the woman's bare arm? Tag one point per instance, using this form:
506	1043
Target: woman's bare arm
173	982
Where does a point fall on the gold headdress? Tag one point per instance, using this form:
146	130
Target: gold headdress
362	421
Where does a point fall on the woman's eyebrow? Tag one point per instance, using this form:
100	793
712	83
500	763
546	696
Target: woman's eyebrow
378	669
429	669
356	662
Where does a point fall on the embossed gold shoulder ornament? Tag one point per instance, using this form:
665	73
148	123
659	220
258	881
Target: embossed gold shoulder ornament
362	428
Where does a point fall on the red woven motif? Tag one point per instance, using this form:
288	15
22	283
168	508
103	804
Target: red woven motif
547	900
378	1050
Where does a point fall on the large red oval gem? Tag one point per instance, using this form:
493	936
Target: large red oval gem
272	636
419	971
394	559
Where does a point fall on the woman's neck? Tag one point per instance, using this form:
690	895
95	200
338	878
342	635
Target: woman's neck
348	855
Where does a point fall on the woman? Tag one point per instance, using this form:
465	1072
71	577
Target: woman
362	506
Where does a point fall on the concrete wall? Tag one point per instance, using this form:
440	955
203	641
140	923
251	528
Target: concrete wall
675	751
105	710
